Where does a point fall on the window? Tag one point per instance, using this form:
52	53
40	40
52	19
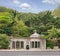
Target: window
35	44
32	44
38	45
17	44
22	44
13	44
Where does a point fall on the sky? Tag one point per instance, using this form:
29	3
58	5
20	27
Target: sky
33	6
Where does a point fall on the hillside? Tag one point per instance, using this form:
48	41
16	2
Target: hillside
15	23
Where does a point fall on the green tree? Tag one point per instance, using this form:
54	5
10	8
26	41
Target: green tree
5	19
21	29
54	33
49	44
4	41
57	22
56	12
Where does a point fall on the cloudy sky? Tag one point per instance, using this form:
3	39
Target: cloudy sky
34	6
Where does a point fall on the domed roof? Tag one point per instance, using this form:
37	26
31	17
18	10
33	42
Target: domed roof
35	34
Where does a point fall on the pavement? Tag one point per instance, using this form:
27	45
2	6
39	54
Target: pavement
30	50
29	53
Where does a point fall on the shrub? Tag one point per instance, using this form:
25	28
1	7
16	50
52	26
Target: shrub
49	44
4	41
58	41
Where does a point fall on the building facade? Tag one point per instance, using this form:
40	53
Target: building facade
33	42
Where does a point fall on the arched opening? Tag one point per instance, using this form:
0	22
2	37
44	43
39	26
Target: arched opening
35	44
22	44
17	44
13	44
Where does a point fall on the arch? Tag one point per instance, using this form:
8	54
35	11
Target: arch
13	44
17	44
35	44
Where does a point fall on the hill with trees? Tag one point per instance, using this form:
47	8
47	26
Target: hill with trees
19	24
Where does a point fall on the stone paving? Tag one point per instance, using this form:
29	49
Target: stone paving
30	50
29	53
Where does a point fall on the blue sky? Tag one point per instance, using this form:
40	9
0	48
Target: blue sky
33	6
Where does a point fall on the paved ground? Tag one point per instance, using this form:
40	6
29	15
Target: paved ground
29	53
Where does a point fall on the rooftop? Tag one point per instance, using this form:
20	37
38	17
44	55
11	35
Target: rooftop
35	34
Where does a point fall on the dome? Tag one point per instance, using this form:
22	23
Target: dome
35	34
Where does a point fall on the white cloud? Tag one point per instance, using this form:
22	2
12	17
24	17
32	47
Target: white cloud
16	1
25	6
53	2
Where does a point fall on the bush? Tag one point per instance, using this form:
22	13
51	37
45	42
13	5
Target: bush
49	44
4	41
58	41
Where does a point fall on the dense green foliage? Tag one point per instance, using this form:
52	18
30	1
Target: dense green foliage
13	23
50	44
4	41
56	12
58	41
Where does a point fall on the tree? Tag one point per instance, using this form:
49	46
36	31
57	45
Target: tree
47	18
20	29
4	41
54	33
8	31
57	22
49	44
56	12
5	19
3	9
